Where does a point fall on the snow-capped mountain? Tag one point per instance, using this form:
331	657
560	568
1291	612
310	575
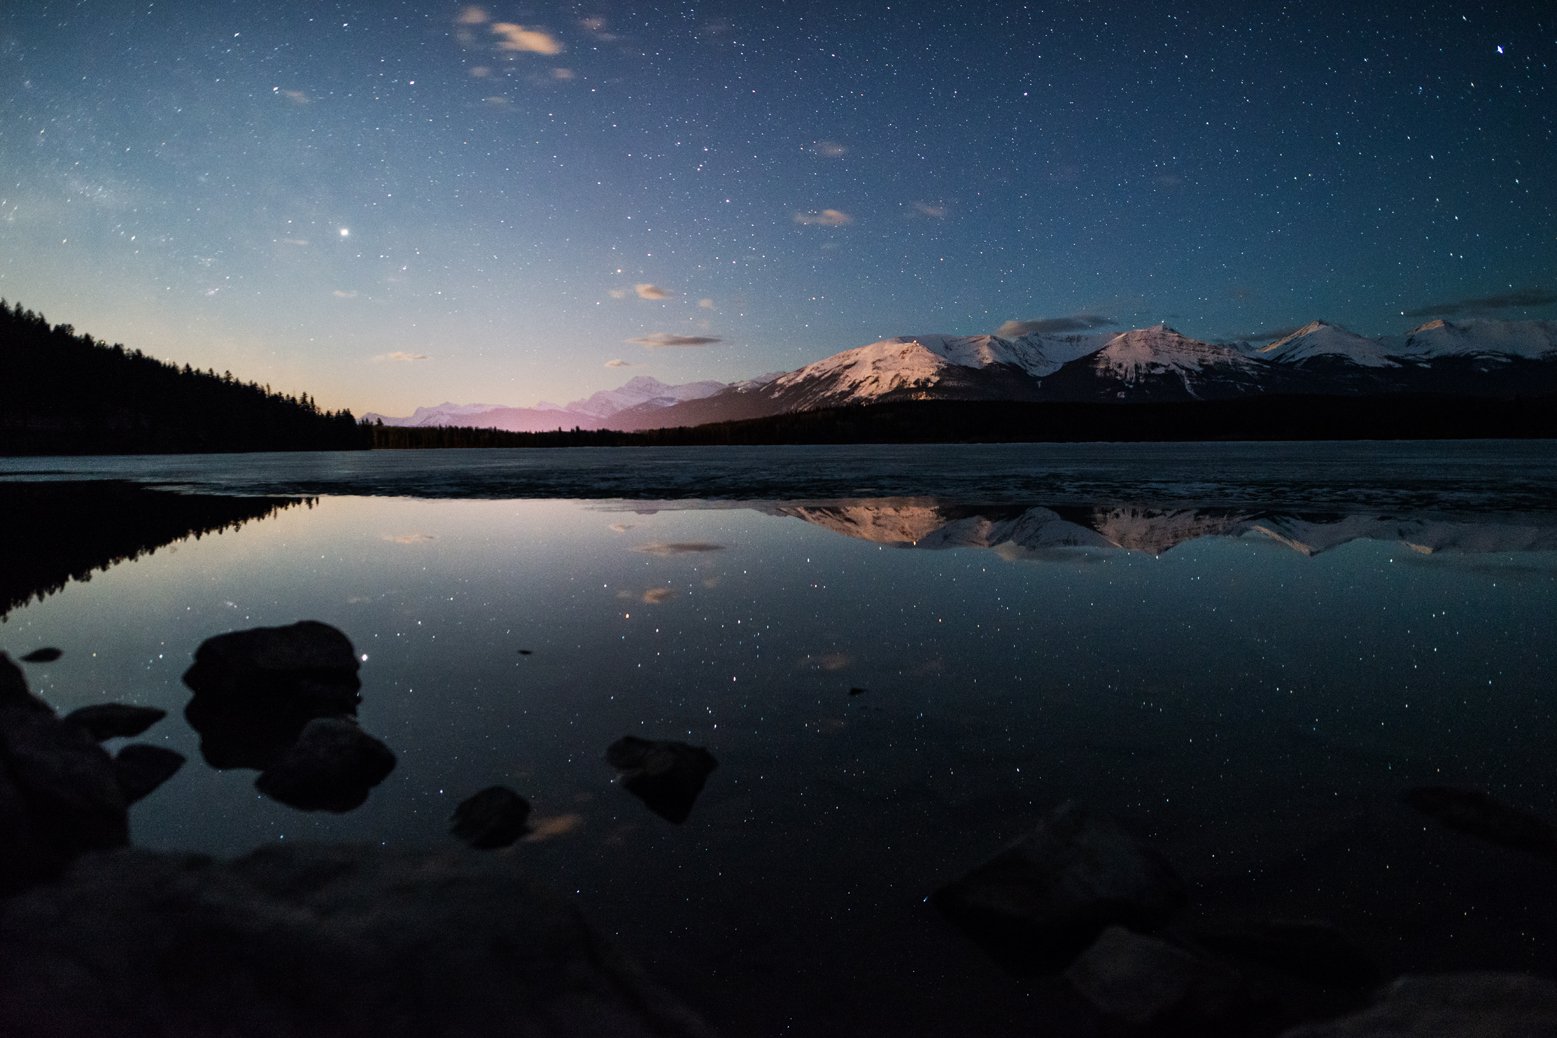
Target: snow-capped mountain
1493	340
1319	342
1462	358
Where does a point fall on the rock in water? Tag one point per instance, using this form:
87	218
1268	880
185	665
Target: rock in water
667	776
1039	902
1474	812
44	655
331	767
58	794
141	767
494	817
309	940
308	665
255	690
1453	1005
1147	982
114	720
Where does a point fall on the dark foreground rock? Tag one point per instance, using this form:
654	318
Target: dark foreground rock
1307	949
103	721
59	796
1045	898
141	767
331	767
308	665
494	817
47	654
1146	982
1471	811
1457	1005
304	940
666	776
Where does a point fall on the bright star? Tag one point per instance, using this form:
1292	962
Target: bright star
345	232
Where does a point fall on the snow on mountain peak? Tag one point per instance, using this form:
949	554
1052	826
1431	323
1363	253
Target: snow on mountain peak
1482	337
1130	356
1322	339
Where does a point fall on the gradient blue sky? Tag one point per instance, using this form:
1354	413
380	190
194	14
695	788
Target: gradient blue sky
395	204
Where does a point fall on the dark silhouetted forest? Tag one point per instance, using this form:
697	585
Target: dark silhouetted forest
67	393
1423	417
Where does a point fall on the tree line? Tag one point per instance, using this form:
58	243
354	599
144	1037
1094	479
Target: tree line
69	393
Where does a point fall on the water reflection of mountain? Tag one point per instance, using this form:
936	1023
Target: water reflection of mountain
927	523
62	531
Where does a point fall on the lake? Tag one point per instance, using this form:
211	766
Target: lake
900	657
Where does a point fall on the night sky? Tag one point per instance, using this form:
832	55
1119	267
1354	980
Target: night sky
395	204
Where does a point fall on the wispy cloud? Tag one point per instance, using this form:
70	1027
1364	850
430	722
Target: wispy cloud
296	242
705	304
471	14
401	357
1073	323
1268	335
1518	299
933	210
297	97
658	340
617	362
514	37
342	293
647	291
825	218
658	595
829	149
408	538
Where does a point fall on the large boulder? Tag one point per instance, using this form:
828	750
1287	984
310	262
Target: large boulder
312	940
59	796
331	767
141	767
492	818
667	776
1455	1005
1046	897
103	721
309	665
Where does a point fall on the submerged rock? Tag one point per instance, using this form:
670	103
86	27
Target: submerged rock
331	767
1045	898
1310	950
58	793
1474	812
494	817
1145	981
666	776
307	666
310	940
141	767
104	721
44	655
1483	1005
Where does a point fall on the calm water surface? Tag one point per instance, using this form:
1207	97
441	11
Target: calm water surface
1245	653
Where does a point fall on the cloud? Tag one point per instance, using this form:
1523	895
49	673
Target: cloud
705	304
401	357
617	362
472	15
341	293
408	538
480	71
825	218
1269	335
1524	297
297	97
647	291
657	595
829	149
514	37
617	293
1074	323
294	241
663	548
658	340
562	75
830	661
934	210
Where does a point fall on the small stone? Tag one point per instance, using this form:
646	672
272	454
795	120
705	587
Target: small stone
1042	900
104	721
494	817
45	655
856	691
667	776
141	767
332	767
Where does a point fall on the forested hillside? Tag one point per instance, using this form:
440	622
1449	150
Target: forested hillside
68	393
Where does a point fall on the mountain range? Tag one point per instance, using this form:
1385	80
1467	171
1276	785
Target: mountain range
1479	358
